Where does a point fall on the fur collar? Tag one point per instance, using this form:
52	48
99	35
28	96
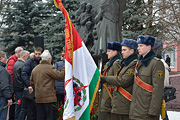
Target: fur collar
111	61
44	62
146	59
128	60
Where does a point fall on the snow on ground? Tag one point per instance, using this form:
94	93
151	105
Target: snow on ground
173	115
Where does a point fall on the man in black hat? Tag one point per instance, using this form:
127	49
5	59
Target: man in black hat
148	87
123	81
110	69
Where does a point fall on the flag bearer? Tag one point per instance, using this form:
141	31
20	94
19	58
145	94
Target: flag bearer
123	81
110	69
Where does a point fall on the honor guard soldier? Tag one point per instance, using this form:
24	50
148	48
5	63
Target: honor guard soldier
110	69
148	87
123	81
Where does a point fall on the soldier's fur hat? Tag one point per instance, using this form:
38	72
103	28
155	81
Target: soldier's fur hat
114	46
129	43
148	40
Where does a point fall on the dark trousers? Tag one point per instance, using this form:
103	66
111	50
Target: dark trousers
3	112
12	110
104	116
31	110
20	110
119	117
45	111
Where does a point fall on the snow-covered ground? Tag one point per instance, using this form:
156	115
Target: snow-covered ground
173	115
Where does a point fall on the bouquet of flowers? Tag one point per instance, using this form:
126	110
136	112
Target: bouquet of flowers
94	112
18	102
93	115
60	108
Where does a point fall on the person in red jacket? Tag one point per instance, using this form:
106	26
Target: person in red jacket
10	64
12	60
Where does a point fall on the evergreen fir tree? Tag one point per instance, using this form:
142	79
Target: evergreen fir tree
137	19
133	18
18	20
52	29
26	19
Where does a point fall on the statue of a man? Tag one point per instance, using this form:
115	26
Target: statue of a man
84	17
88	38
108	30
78	13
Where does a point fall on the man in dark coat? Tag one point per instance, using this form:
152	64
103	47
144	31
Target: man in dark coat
60	84
148	87
10	64
168	60
25	75
123	81
6	88
18	85
110	69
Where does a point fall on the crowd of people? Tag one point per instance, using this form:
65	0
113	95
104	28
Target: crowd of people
31	79
135	82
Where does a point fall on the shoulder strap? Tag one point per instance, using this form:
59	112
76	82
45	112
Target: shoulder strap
141	83
105	72
124	92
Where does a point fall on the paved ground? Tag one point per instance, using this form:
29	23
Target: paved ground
174	105
173	115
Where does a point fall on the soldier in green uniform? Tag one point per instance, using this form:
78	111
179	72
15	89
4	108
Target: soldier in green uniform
148	87
123	81
110	69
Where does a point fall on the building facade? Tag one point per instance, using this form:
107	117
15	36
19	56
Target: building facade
173	50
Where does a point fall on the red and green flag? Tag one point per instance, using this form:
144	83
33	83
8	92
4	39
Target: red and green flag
81	73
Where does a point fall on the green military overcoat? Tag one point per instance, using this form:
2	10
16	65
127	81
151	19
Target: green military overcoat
125	79
105	98
146	105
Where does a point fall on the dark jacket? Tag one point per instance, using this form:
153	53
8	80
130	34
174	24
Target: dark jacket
27	69
18	83
10	63
59	84
144	103
168	60
6	88
43	82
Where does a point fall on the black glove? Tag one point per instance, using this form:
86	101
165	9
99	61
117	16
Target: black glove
103	80
152	116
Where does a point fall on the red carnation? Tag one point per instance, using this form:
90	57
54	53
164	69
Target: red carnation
93	111
19	102
59	109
